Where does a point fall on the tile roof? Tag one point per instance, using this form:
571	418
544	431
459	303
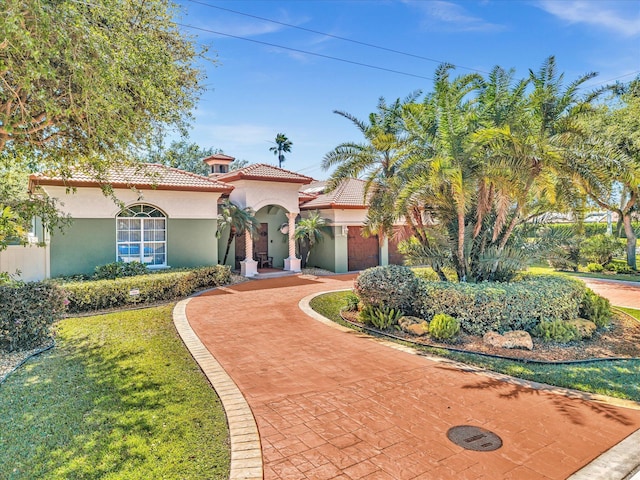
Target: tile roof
349	194
146	175
264	172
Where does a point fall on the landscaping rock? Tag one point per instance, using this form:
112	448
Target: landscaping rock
586	328
414	325
514	339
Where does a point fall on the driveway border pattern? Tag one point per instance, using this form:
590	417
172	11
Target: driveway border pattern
246	451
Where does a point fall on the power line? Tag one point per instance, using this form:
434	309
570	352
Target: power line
337	37
616	78
297	50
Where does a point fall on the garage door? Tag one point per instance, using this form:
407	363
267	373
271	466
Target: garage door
400	233
362	252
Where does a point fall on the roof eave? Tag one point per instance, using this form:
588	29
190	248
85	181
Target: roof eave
86	183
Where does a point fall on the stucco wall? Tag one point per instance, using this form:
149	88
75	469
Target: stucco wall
82	246
30	260
88	243
89	202
331	252
257	194
191	243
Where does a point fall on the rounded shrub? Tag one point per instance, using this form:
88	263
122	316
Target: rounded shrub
595	308
444	327
391	286
601	248
594	267
556	331
27	313
115	270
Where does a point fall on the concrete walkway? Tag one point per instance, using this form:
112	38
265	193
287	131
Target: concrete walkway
335	405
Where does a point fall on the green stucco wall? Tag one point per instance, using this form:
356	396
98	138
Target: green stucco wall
82	246
91	242
191	243
331	252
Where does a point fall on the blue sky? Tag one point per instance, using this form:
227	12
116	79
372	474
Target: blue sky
257	89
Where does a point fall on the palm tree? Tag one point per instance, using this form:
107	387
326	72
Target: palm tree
237	220
310	231
283	144
377	159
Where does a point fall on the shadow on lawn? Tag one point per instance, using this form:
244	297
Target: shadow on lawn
95	407
98	406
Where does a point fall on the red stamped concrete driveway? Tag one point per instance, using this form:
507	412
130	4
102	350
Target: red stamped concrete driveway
330	404
622	294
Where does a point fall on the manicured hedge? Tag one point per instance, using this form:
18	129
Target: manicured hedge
103	294
27	313
482	307
519	305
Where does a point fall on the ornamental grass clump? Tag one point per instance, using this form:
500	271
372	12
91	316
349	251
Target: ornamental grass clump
392	286
444	327
382	318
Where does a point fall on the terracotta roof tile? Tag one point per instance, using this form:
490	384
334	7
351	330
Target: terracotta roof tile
149	175
262	171
349	194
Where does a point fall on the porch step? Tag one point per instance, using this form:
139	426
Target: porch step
272	274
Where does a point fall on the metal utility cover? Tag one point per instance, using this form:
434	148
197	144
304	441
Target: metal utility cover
474	438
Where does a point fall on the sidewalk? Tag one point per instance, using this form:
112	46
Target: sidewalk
331	404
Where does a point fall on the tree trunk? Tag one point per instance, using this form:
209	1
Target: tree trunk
232	235
631	241
462	264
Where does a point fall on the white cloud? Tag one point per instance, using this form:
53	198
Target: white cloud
451	16
239	29
609	15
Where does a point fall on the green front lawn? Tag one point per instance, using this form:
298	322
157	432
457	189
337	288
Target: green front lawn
604	276
631	311
119	397
619	378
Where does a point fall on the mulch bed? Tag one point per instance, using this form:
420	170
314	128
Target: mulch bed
620	340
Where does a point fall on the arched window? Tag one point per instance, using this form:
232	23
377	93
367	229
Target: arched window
141	235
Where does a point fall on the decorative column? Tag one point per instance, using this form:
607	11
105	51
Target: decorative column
292	263
383	251
248	267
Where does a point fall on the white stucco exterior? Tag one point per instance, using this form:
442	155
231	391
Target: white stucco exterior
258	193
28	263
92	203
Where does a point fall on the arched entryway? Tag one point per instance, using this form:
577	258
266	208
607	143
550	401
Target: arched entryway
270	245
